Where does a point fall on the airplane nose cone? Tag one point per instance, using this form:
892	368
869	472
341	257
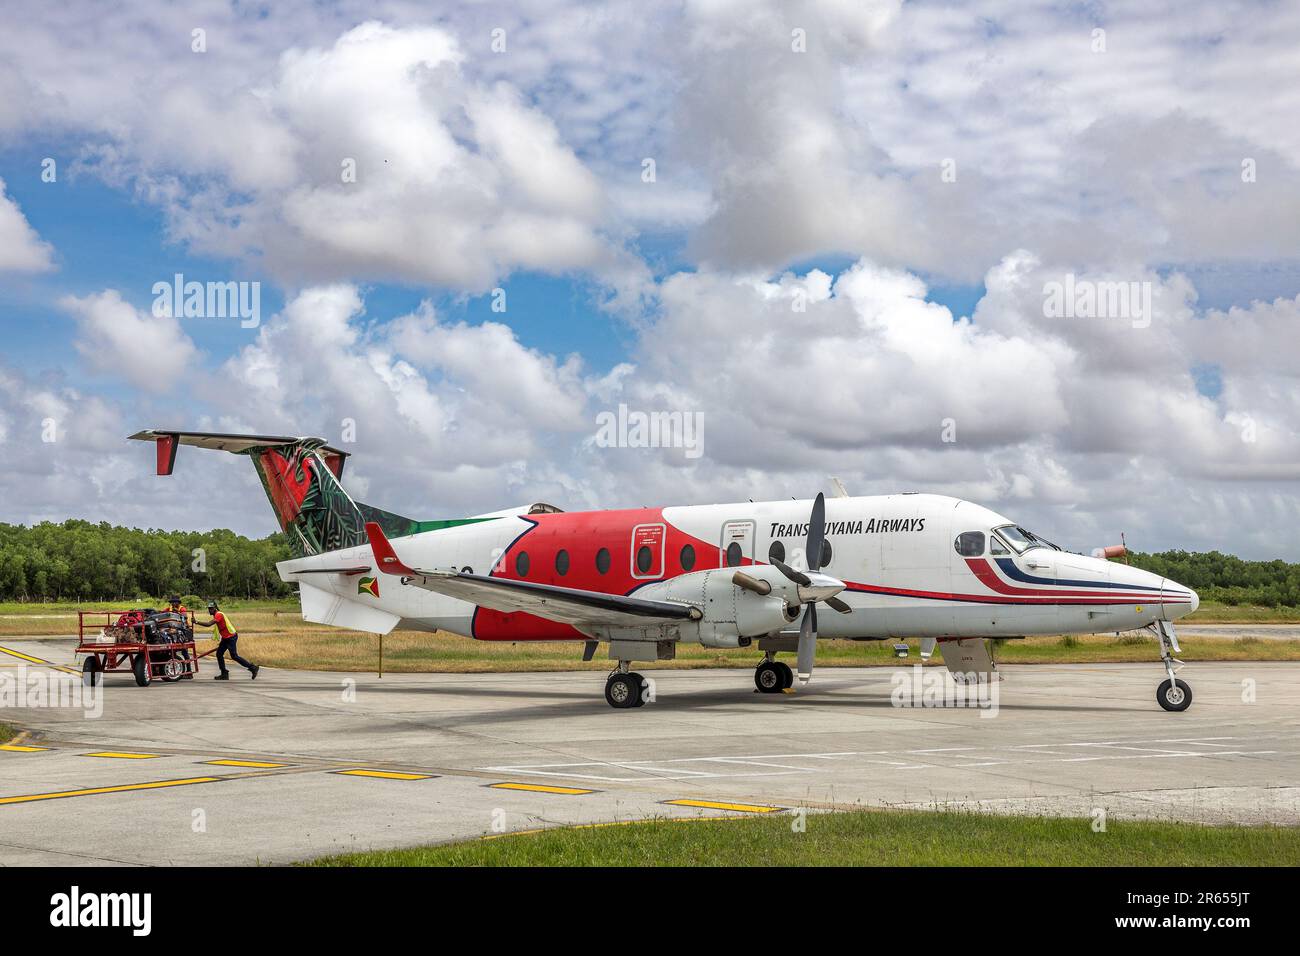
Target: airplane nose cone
1180	600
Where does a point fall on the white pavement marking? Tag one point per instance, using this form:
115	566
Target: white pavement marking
969	757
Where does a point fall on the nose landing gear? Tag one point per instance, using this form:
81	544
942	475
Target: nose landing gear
1172	694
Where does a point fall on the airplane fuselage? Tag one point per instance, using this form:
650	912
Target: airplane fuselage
914	565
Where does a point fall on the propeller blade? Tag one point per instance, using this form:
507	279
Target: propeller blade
798	577
742	580
927	647
839	605
816	533
807	643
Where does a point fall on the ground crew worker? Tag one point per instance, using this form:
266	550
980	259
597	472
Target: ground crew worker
223	629
178	608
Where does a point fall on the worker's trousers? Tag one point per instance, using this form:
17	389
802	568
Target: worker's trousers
230	644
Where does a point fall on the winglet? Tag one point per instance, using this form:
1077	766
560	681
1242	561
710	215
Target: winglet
386	558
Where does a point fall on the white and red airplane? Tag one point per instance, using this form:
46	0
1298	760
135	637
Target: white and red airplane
734	575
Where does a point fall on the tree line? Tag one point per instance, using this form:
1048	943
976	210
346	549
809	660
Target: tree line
81	561
1226	578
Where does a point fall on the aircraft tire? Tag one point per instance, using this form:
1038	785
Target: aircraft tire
769	678
787	675
622	691
1174	695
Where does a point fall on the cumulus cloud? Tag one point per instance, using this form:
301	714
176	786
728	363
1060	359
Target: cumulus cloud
152	352
21	249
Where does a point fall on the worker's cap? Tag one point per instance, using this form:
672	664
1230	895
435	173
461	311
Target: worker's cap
212	605
173	600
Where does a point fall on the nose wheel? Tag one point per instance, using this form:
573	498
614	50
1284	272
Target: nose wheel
772	677
1172	694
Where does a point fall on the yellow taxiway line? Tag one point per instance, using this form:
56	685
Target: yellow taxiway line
712	805
256	764
36	660
385	774
20	749
122	788
539	788
121	755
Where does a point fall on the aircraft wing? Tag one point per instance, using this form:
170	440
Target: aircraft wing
567	605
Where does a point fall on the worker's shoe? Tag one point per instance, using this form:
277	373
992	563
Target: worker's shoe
224	675
255	669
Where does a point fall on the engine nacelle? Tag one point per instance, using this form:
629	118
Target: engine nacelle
730	613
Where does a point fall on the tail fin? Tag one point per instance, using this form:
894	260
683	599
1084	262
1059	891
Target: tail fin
301	480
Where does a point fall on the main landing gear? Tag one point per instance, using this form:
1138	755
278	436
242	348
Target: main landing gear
772	677
1172	694
624	688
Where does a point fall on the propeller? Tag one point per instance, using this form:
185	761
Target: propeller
812	587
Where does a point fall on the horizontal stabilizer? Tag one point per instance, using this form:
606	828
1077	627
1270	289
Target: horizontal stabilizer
322	607
168	441
359	569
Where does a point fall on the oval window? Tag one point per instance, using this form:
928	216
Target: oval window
561	562
776	552
521	564
643	559
687	557
602	560
826	552
970	544
733	554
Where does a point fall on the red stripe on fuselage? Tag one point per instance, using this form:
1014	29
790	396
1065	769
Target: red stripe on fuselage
989	578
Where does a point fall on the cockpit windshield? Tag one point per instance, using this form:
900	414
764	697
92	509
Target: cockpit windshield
1021	540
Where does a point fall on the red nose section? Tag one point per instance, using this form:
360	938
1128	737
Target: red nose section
386	558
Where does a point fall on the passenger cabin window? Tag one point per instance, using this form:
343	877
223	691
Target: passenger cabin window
687	557
827	554
644	559
733	554
602	560
776	552
521	564
561	562
970	544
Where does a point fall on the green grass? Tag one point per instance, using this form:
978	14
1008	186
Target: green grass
863	838
7	732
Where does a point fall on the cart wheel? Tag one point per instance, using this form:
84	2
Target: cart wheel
140	667
91	672
172	670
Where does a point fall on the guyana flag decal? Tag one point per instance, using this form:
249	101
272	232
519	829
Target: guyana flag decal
368	585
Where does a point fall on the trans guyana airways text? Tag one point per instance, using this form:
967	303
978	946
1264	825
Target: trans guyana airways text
850	527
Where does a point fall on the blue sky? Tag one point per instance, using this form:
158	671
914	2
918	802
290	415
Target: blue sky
889	161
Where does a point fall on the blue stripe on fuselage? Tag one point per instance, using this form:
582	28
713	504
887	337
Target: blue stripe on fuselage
1010	569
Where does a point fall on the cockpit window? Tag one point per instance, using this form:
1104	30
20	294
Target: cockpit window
970	544
1022	540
